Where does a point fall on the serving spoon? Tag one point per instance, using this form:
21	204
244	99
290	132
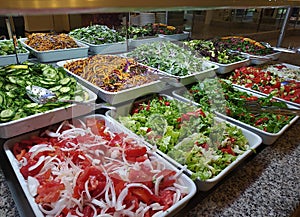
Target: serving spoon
43	95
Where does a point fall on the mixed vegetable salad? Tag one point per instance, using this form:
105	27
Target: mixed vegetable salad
264	81
150	29
168	57
165	122
232	103
14	102
7	48
245	45
83	168
211	50
97	35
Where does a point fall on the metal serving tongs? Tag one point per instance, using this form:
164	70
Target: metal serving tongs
12	35
42	95
255	107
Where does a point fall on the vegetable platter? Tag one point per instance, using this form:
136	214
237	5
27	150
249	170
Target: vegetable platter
100	39
211	51
174	60
257	52
164	122
7	53
261	81
90	167
19	114
58	54
119	79
228	102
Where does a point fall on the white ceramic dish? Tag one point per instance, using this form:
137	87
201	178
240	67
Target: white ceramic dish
121	96
56	55
267	138
33	122
183	179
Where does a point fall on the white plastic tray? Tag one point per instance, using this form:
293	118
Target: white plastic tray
108	48
253	139
209	70
175	37
258	60
33	122
267	138
11	59
225	68
139	41
121	96
183	179
56	55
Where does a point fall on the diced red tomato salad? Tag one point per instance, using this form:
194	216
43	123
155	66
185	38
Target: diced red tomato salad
85	169
266	82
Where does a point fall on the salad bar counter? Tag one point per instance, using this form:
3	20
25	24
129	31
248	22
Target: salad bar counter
194	128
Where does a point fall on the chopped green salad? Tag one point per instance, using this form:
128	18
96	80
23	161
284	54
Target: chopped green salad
165	122
168	57
221	96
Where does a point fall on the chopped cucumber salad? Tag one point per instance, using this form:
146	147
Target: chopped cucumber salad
14	102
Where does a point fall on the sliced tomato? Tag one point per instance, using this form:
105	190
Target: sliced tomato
166	198
143	175
25	169
136	151
95	178
142	194
49	192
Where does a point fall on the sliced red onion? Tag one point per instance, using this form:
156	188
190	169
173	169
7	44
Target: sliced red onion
57	207
156	206
183	189
52	134
99	203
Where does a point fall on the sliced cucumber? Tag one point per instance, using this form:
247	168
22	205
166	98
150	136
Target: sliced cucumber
65	89
7	113
65	81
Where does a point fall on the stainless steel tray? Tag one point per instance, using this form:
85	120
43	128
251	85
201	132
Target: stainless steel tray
33	122
182	179
121	96
61	54
267	138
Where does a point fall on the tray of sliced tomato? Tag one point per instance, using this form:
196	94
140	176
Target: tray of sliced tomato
91	167
266	83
